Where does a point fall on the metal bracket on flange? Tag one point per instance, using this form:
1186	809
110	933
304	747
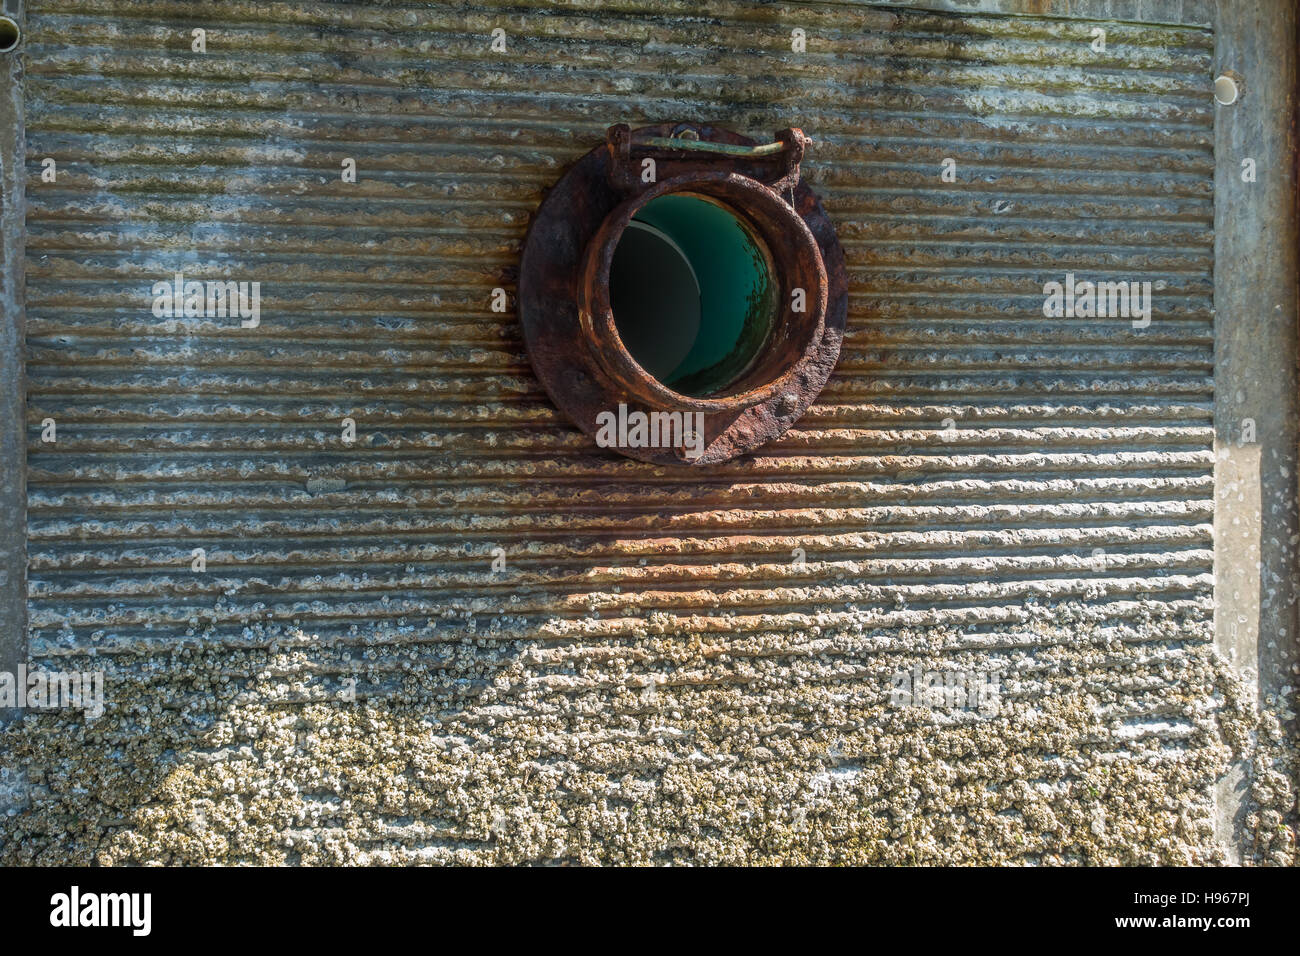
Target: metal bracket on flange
693	149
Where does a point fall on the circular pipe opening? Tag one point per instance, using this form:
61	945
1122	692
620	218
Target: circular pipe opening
762	294
1226	90
691	291
607	372
9	34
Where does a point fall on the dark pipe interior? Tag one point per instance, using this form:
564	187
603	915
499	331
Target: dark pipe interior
692	294
8	34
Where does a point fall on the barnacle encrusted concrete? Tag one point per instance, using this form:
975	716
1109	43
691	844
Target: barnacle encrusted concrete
661	747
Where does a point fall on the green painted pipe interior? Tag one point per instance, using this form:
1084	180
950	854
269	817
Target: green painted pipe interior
691	294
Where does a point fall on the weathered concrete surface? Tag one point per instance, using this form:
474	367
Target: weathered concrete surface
13	337
667	668
662	747
1257	528
1181	12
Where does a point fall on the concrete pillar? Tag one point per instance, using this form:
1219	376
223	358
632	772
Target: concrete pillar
1255	408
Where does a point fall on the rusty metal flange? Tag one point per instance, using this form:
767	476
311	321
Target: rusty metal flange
569	331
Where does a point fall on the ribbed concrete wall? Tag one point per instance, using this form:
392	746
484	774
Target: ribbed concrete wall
653	676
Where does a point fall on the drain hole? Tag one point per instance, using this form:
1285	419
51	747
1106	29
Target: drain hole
9	34
692	295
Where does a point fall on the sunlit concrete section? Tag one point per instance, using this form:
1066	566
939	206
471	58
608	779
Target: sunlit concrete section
1256	528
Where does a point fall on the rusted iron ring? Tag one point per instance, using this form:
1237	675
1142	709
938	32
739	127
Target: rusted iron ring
564	299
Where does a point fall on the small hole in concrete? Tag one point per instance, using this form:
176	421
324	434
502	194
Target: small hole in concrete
1225	90
692	294
9	34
